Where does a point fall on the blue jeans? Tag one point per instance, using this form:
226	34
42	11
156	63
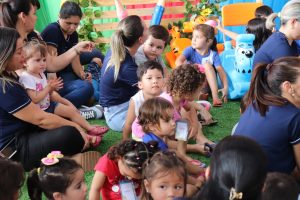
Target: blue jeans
87	57
77	91
115	116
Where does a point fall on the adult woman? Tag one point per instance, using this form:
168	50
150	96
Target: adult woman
281	43
36	132
272	116
118	74
60	36
21	16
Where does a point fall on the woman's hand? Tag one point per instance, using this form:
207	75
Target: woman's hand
84	46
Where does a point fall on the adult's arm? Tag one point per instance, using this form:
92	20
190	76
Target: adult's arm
297	158
57	63
43	119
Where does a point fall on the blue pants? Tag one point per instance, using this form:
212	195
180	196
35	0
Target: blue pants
87	57
77	91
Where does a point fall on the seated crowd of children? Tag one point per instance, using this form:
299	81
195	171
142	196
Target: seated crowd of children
160	122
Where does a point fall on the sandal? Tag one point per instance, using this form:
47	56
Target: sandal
209	148
198	163
98	130
217	103
94	140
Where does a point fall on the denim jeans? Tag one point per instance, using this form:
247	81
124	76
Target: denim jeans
87	57
115	116
77	91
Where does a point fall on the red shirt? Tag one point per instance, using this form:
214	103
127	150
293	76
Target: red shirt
111	188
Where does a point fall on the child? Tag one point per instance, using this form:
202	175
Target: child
94	68
154	46
237	171
204	52
44	94
150	82
183	87
164	177
279	186
12	179
255	26
58	178
122	161
263	11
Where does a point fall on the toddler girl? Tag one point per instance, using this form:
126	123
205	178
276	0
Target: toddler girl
204	52
183	87
44	94
121	162
57	178
164	177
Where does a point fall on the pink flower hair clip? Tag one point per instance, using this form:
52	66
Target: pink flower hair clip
52	158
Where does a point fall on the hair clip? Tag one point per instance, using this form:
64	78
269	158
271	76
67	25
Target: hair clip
235	195
137	158
55	154
38	170
52	158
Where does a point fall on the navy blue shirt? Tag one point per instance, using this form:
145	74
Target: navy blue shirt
148	137
113	92
276	132
54	36
13	99
276	46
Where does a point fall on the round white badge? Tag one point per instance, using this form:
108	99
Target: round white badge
115	188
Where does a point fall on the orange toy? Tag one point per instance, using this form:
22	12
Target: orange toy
177	45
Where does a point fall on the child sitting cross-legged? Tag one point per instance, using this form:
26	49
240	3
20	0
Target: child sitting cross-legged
150	81
44	93
203	52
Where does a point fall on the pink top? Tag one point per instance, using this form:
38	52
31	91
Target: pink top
137	131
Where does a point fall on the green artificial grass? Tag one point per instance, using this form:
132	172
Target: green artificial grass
226	116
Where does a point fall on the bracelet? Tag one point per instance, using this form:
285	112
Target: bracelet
76	50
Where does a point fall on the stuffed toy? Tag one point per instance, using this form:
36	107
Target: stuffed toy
237	64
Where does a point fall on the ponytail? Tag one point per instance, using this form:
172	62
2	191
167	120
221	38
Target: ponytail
10	10
265	88
129	30
33	185
270	24
118	52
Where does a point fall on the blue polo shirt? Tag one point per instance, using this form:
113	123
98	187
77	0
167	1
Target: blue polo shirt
276	132
13	99
54	36
276	46
120	91
148	137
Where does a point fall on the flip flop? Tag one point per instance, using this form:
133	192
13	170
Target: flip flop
98	130
94	142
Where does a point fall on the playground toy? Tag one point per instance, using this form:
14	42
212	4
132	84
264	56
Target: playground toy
237	64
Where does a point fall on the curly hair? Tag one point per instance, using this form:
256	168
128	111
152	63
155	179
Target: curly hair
134	153
185	79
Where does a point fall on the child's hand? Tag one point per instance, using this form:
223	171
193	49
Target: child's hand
55	84
97	61
85	76
224	94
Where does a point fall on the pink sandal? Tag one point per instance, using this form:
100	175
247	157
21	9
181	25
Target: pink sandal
98	130
94	142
